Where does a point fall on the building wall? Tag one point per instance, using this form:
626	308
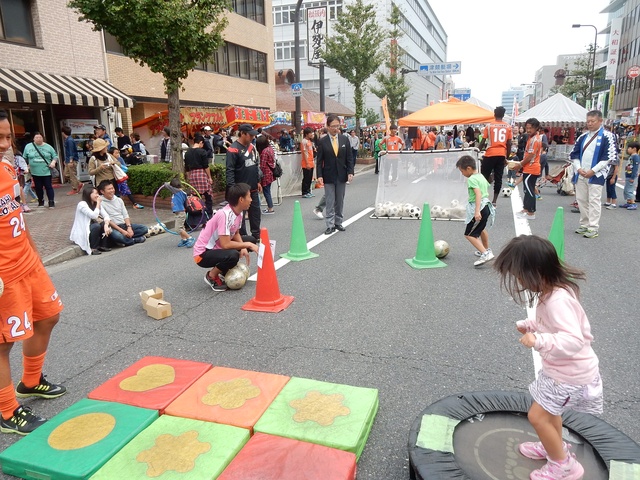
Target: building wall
627	91
64	45
201	86
424	90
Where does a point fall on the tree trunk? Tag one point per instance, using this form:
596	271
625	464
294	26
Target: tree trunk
358	97
176	134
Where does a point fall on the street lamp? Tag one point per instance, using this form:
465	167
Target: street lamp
403	72
593	63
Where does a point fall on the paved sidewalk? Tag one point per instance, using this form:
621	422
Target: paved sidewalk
50	227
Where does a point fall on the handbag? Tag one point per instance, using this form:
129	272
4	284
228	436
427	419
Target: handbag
277	170
118	172
55	173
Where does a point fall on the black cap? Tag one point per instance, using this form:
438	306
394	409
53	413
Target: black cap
247	128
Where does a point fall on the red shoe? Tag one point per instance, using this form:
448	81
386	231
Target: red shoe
72	192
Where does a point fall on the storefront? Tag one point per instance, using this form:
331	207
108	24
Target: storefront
41	102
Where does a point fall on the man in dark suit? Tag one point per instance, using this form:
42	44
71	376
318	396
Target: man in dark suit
334	167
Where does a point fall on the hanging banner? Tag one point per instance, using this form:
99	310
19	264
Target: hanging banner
254	116
614	48
317	26
315	118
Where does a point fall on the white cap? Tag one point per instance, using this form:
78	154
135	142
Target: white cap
207	128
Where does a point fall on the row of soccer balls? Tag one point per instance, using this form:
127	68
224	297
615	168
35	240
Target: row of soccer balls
390	209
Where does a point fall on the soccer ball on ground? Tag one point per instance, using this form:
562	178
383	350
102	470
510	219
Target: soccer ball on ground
395	210
436	211
235	278
441	248
243	267
506	191
415	212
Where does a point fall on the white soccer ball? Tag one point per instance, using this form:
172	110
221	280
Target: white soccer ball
235	278
406	209
436	210
152	230
161	228
395	210
506	192
382	210
445	213
415	212
244	269
454	203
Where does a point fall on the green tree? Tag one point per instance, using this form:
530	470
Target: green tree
169	36
371	116
392	82
354	49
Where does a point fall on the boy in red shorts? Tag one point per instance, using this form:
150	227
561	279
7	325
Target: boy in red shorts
29	306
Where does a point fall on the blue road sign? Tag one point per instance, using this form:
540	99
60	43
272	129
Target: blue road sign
296	89
445	68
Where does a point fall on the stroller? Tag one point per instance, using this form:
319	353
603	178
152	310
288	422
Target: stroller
562	176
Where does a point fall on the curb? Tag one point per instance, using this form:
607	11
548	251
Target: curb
69	253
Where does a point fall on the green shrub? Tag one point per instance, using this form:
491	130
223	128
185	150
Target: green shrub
146	179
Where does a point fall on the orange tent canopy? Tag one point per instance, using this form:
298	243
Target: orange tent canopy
451	112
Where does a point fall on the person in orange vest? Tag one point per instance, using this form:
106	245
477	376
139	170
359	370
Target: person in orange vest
392	144
497	136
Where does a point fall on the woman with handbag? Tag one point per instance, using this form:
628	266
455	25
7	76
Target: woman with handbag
120	172
101	163
42	159
267	164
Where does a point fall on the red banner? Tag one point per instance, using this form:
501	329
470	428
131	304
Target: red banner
254	116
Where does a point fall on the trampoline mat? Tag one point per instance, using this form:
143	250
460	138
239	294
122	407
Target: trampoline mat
486	448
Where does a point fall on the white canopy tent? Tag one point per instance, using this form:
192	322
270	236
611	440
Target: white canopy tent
556	111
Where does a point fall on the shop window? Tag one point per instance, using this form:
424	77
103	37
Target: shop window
243	62
251	9
234	67
15	21
111	45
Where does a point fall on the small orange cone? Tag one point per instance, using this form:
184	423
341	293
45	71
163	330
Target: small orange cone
268	297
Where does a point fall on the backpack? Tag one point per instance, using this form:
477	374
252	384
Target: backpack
194	204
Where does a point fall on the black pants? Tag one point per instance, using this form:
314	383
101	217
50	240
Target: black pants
254	217
529	186
223	259
307	175
43	183
208	205
638	193
495	166
95	235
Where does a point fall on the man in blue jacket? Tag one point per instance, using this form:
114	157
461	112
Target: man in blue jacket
592	154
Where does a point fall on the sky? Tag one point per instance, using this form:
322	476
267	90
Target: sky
503	44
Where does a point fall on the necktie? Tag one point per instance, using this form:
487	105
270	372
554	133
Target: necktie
334	142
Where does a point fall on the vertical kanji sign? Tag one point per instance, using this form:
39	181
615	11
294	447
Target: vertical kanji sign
614	48
317	28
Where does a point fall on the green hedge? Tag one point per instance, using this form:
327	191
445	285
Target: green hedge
146	179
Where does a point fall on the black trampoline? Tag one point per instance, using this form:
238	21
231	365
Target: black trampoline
476	435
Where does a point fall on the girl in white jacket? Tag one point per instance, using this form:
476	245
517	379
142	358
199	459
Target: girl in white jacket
86	230
570	378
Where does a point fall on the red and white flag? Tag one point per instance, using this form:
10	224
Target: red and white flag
514	112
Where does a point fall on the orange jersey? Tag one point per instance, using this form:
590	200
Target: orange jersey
307	153
17	256
534	147
497	135
393	143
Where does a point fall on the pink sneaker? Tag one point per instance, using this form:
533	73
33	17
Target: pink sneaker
536	451
570	469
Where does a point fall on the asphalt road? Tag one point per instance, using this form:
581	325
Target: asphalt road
361	317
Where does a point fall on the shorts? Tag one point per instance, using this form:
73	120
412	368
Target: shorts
556	397
180	218
30	299
474	228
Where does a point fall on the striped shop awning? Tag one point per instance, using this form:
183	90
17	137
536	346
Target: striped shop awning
20	86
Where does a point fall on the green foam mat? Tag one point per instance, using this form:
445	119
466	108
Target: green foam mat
176	448
77	442
337	416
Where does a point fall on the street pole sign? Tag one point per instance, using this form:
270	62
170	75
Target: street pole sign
445	68
296	89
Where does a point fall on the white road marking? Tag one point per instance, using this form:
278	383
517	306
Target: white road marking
281	262
522	228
